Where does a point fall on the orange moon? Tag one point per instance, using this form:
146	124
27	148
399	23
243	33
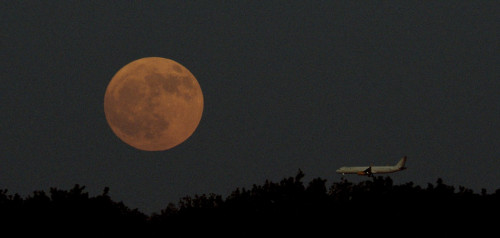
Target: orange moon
153	104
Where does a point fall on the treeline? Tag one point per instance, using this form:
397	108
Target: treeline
74	210
288	205
371	205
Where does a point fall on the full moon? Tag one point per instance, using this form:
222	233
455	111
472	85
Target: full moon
153	104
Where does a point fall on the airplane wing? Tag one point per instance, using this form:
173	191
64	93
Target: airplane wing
367	171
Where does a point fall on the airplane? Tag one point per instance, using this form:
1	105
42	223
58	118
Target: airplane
371	170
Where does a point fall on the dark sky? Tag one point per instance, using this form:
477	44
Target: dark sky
288	85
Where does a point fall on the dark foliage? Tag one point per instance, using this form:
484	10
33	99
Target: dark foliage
372	206
286	207
68	212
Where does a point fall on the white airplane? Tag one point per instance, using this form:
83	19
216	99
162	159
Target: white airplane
371	170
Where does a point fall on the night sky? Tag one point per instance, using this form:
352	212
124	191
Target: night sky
288	85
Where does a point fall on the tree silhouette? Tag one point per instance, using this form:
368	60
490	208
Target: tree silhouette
287	207
72	210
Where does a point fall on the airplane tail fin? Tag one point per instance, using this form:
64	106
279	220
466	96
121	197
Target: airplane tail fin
401	163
